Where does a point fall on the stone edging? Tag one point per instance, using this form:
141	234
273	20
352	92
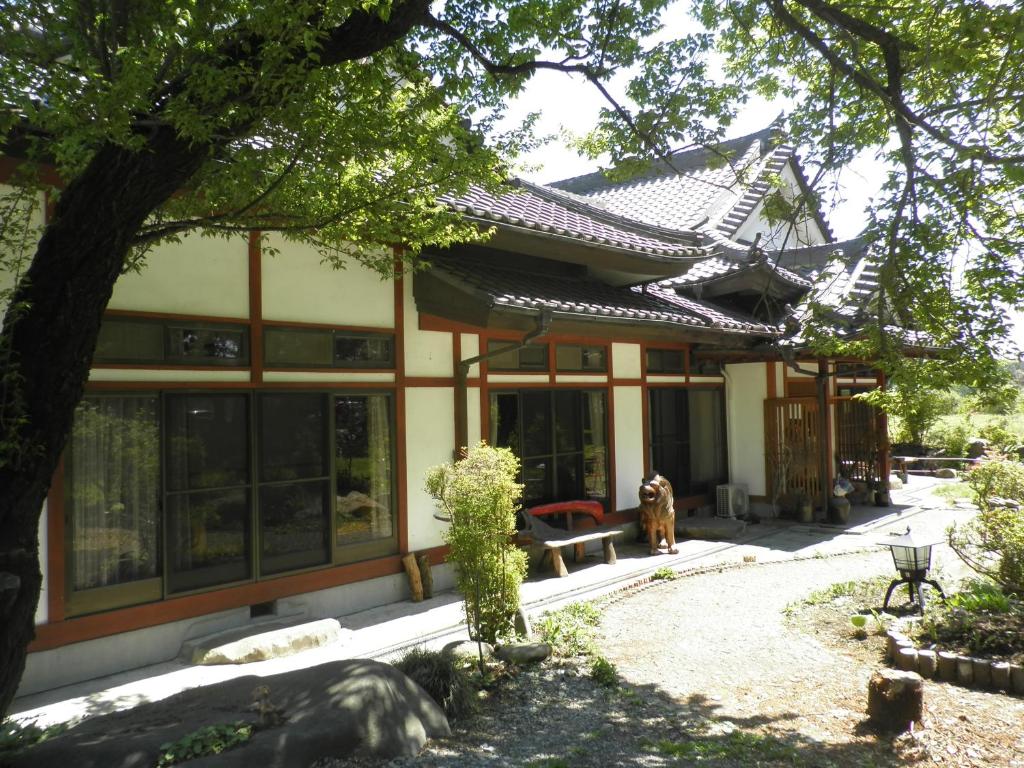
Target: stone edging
953	668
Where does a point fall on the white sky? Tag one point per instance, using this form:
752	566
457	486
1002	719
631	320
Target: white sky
570	104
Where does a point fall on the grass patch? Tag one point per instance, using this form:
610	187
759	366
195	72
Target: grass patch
664	574
570	631
444	676
743	748
603	672
952	492
867	591
15	736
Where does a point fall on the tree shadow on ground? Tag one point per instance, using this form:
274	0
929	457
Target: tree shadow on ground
557	716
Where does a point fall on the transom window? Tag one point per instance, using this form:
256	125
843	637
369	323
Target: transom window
575	357
532	357
171	342
327	348
561	438
182	491
666	361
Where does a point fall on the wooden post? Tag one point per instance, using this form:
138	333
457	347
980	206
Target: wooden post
426	577
895	699
413	572
557	562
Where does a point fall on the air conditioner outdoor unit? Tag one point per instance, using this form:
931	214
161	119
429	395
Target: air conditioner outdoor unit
732	500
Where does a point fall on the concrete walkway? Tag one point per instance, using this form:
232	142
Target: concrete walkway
387	631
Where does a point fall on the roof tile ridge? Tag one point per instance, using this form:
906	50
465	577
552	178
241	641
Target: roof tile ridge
690	237
737	214
672	297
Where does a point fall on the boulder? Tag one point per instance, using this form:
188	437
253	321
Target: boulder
976	447
523	653
329	710
467	648
946	473
272	640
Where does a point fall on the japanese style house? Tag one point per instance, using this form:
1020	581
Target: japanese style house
257	428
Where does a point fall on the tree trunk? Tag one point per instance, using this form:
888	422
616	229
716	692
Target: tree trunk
51	340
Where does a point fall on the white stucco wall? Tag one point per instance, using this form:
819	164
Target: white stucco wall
625	361
44	562
470	343
199	276
298	287
427	353
745	392
429	440
629	444
473	416
779	235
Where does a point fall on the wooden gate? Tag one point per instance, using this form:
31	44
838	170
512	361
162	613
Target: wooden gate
857	440
792	429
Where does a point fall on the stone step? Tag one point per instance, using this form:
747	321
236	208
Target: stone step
262	641
713	528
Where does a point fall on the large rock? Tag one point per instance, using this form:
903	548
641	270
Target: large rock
523	653
265	641
330	710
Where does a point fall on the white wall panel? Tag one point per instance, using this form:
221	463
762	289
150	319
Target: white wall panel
429	440
629	445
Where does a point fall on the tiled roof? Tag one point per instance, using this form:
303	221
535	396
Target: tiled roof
513	288
682	192
556	213
716	267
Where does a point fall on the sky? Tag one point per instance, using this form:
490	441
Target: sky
567	103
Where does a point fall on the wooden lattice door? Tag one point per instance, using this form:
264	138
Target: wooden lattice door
792	430
857	440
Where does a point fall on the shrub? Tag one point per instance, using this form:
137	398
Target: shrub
570	631
479	496
209	740
15	736
443	676
977	595
998	477
664	573
603	672
950	439
992	544
998	435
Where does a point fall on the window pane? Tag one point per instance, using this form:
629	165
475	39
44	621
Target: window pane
569	477
113	491
361	351
536	423
665	361
208	538
669	408
208	443
364	506
291	346
505	422
534	357
568	427
595	446
129	341
206	345
294	525
708	463
293	436
537	481
571	357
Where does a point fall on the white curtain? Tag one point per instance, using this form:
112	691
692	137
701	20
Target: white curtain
378	425
113	491
706	436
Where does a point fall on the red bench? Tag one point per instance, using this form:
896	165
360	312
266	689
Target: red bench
592	509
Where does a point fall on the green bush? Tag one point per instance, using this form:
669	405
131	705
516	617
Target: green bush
480	496
15	736
603	672
444	677
977	595
992	544
998	477
950	439
999	435
570	631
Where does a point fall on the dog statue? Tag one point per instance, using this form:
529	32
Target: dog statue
657	513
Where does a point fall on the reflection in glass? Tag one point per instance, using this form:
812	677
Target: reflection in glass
362	350
294	526
113	486
364	509
208	441
215	345
291	346
293	436
208	538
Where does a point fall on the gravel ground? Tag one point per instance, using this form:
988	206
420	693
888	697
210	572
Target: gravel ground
711	672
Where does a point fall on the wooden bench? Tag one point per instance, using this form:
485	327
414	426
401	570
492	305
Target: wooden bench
541	534
592	509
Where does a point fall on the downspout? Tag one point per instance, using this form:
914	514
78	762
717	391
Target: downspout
462	375
824	428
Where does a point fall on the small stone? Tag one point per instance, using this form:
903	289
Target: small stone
895	483
523	653
522	624
467	648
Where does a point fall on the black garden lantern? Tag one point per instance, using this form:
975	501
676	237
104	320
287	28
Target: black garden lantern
912	557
